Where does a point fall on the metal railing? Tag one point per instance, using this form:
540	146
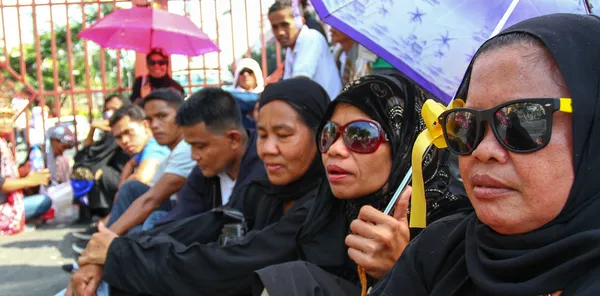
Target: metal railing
46	63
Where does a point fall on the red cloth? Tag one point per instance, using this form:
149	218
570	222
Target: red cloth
12	212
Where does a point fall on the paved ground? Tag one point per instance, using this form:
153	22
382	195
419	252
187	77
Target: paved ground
30	262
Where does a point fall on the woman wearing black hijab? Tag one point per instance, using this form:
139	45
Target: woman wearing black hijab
536	227
184	257
157	62
365	141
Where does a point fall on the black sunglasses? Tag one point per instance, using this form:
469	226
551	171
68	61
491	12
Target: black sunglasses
521	126
157	62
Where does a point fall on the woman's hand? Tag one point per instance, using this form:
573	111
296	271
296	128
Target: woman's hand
39	178
378	240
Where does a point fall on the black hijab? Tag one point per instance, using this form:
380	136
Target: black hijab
562	254
310	101
395	103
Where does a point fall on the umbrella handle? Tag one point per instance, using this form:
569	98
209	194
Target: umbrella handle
431	135
588	6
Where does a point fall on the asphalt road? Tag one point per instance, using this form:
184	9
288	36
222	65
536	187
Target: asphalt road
30	262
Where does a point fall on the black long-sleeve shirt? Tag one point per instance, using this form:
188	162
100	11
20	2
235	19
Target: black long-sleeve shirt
178	260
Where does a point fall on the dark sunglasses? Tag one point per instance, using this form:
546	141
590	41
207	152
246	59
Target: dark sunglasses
246	70
360	136
157	62
521	126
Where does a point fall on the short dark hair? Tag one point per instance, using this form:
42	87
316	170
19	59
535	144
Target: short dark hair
173	98
280	5
135	113
215	107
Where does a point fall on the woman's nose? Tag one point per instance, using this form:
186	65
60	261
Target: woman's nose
338	148
489	149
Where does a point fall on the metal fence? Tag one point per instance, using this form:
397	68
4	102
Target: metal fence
43	60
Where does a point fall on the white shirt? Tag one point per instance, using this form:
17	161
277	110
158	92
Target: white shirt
179	162
311	58
227	185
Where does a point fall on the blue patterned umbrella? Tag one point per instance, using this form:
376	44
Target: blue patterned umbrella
432	41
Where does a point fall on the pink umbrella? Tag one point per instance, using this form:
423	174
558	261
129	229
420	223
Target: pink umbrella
141	29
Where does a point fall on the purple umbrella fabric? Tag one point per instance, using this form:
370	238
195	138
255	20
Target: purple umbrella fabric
432	41
142	29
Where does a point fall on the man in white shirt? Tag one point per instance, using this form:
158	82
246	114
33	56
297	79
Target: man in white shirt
307	53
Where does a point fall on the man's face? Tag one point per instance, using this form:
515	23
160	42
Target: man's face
282	24
211	151
130	135
161	117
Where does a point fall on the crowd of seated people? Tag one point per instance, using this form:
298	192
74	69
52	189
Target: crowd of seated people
207	205
310	221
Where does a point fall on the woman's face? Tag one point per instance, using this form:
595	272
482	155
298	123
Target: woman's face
351	174
285	144
247	80
515	193
157	66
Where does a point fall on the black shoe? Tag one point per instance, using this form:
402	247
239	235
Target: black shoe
79	246
86	235
67	267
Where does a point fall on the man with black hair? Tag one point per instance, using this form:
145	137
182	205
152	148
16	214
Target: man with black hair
225	153
307	53
132	133
136	201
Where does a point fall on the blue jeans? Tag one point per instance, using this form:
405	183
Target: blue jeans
128	193
153	218
36	205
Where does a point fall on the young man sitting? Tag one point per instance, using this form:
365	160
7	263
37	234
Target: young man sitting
133	135
225	153
137	201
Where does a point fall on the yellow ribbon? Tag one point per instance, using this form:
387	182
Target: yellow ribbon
433	134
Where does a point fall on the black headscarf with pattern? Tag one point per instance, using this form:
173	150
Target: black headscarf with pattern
395	103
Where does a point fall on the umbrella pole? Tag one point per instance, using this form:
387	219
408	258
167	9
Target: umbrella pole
588	6
504	18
